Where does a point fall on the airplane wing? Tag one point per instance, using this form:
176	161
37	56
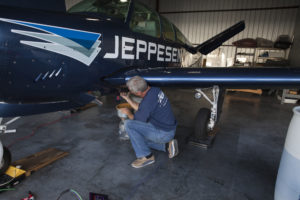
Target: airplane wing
207	77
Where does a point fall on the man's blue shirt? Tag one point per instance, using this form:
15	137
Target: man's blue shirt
156	109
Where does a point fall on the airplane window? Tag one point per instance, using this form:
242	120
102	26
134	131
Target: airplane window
112	8
168	31
145	21
180	37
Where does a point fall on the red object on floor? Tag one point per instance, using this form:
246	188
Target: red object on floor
30	197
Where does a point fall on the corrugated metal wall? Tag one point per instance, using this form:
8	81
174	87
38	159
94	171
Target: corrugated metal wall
294	54
150	3
201	19
207	18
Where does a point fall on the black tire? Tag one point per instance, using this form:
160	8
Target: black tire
4	164
201	124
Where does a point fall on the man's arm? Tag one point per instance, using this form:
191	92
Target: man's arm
132	103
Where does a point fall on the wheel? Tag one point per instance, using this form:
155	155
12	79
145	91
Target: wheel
6	160
201	124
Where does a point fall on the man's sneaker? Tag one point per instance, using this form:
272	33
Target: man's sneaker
173	148
142	162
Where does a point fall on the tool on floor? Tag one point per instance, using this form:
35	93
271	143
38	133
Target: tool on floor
95	196
30	196
71	191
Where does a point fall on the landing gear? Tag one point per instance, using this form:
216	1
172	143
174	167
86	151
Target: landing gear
6	160
5	156
206	119
201	128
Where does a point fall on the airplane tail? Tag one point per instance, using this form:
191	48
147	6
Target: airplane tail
216	41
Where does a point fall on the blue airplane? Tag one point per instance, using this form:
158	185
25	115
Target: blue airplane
50	58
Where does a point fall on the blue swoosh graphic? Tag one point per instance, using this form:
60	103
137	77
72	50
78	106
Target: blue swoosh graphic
80	45
85	39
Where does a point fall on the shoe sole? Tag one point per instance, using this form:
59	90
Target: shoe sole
145	164
174	146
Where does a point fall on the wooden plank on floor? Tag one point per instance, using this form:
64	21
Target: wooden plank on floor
258	91
39	160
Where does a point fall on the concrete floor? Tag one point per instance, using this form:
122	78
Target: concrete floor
242	164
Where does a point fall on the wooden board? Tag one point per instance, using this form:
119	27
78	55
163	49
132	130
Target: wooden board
39	160
258	91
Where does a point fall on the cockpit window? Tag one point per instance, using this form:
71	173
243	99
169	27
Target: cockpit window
111	8
167	29
145	21
180	37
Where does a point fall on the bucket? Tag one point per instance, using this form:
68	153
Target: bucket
122	132
288	178
123	105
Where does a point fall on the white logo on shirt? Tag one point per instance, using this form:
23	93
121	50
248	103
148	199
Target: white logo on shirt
162	99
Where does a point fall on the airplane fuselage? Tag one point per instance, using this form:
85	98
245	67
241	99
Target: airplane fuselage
57	55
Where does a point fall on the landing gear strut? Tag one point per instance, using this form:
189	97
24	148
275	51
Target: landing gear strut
206	119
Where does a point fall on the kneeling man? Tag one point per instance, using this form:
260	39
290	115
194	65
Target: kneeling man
153	125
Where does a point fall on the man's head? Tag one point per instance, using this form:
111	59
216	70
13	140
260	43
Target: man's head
137	85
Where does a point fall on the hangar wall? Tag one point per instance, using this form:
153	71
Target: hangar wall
295	49
151	3
201	19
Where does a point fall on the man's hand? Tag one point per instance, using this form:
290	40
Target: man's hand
125	95
133	104
127	112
